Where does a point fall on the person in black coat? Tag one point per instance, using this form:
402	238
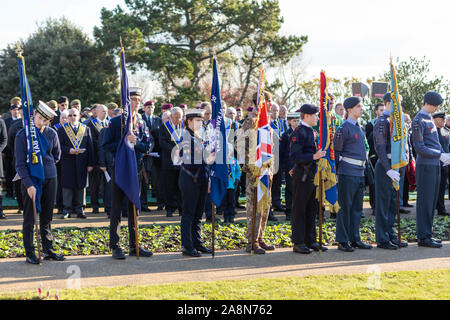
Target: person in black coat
3	142
42	117
170	136
76	161
15	127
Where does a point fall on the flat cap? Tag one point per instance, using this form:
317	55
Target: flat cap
439	115
52	104
309	109
75	102
433	98
45	111
351	102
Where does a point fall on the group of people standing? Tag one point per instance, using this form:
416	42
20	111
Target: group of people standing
170	155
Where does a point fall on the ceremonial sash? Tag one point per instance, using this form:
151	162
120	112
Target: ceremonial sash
176	135
97	124
75	139
57	126
277	128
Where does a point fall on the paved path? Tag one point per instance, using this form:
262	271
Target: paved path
93	271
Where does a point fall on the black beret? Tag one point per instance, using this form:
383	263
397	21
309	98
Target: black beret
351	102
309	109
62	99
439	115
387	97
433	98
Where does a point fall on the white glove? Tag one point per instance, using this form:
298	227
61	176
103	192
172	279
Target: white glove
394	175
445	158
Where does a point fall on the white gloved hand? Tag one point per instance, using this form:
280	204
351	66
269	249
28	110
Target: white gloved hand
394	175
445	157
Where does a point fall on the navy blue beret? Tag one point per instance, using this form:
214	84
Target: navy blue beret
351	102
387	97
433	98
309	109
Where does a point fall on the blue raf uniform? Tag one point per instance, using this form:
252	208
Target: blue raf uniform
193	184
350	157
110	143
304	205
429	155
385	194
444	140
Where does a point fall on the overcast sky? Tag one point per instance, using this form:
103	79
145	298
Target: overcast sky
346	37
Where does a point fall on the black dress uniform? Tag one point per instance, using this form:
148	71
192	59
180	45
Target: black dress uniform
16	126
48	189
304	205
110	143
3	143
193	183
444	140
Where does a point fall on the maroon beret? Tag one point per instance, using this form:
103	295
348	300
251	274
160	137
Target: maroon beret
166	106
149	103
250	109
182	106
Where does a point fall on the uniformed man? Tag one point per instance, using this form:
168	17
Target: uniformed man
42	117
444	140
77	160
193	183
286	165
96	177
170	136
350	157
63	103
63	119
428	171
385	194
15	111
3	143
110	143
303	155
278	129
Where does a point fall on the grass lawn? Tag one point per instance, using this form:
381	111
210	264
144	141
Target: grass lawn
406	285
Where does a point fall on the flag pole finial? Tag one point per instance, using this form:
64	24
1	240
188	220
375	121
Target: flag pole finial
390	57
19	49
121	44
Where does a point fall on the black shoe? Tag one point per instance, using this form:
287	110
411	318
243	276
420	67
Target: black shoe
191	253
403	244
54	256
361	245
316	247
3	216
95	211
301	248
142	252
429	244
344	246
160	207
388	246
20	211
408	205
81	216
169	214
203	249
404	211
445	213
288	217
118	254
436	240
240	206
32	259
145	209
180	212
279	208
333	216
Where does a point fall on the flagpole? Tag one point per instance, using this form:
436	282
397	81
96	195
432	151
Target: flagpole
213	225
36	224
255	204
320	209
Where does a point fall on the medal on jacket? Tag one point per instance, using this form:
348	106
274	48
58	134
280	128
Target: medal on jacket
175	134
75	139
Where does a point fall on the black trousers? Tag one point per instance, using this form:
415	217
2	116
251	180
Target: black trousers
156	185
73	200
172	193
229	201
195	195
97	181
45	217
304	210
144	188
117	199
440	206
288	192
276	188
8	171
59	195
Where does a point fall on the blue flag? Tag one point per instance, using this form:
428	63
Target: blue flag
219	169
37	144
126	173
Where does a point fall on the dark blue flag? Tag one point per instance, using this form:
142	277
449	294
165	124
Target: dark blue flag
126	173
37	144
219	169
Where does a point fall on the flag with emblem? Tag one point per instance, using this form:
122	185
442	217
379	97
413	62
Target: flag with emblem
219	169
37	144
264	157
326	165
126	173
398	134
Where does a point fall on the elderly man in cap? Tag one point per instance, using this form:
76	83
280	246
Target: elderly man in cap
444	140
140	139
170	136
76	161
41	117
429	156
350	155
96	177
304	155
385	194
286	165
152	164
111	107
15	111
